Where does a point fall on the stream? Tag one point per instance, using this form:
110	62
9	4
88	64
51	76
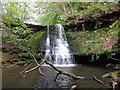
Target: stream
12	79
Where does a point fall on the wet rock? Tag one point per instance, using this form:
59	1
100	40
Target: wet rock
107	75
74	87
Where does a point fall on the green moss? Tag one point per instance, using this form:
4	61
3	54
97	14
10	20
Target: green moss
77	38
35	42
71	35
96	9
94	42
116	27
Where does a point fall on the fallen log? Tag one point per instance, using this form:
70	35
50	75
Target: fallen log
56	69
63	72
115	80
108	75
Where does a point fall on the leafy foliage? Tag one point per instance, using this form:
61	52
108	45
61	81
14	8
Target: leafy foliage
116	27
34	42
12	21
17	10
95	42
51	13
60	12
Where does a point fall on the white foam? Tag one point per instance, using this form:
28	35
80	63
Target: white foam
64	65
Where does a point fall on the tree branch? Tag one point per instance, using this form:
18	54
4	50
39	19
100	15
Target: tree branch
35	67
97	80
36	63
56	69
62	72
26	68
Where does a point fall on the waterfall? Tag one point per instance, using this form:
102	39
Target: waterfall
57	48
47	51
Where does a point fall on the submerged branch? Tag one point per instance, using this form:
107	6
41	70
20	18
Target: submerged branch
56	69
114	75
96	79
62	72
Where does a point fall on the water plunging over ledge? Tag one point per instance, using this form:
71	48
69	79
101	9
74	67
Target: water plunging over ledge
57	48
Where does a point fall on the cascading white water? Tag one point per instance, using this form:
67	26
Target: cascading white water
57	48
47	51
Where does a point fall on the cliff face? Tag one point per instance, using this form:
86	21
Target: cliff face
92	42
81	41
95	16
96	31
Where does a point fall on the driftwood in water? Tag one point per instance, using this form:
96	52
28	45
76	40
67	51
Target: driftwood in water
56	69
96	79
36	63
26	68
38	66
115	80
24	71
74	87
108	75
63	72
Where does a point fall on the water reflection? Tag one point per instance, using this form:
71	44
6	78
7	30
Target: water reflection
63	80
35	80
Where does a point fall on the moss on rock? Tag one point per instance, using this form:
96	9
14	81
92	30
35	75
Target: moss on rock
92	42
36	42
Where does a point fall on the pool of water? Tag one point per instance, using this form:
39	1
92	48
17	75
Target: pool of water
12	79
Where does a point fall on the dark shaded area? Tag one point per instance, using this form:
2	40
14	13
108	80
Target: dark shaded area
103	59
36	27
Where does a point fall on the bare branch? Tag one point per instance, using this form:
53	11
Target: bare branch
36	63
97	80
62	72
58	70
26	68
35	67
